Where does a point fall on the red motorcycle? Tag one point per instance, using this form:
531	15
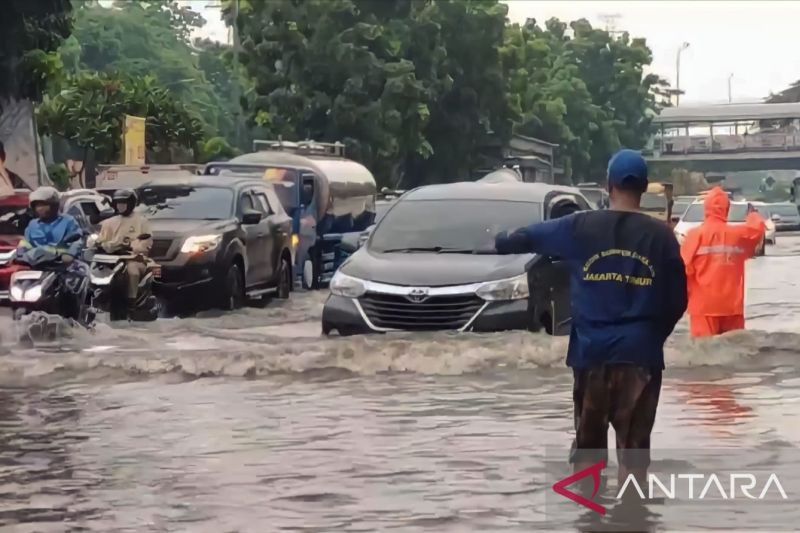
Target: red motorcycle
14	218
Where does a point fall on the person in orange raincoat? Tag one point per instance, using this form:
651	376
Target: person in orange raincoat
714	254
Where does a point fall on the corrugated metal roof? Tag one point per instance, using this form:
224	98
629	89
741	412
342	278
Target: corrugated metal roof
727	112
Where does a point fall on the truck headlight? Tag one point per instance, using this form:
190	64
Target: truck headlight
347	286
200	244
515	288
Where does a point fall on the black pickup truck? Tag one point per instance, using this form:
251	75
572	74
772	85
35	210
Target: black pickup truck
218	242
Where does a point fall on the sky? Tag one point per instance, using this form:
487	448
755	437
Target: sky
753	40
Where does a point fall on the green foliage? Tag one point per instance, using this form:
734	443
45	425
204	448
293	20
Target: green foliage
586	92
152	39
31	33
90	111
412	87
217	149
59	175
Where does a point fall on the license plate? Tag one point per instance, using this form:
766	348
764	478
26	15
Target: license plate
157	271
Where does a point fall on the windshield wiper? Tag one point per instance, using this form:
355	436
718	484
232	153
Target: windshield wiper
438	250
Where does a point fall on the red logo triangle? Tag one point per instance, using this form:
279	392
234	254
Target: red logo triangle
561	487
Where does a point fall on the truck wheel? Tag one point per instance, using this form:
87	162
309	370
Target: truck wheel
232	289
312	270
284	279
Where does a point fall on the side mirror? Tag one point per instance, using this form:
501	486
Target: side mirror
250	217
144	236
675	219
350	242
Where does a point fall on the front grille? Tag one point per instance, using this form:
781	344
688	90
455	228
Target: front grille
160	248
435	313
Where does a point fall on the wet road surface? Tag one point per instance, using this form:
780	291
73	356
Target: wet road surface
252	422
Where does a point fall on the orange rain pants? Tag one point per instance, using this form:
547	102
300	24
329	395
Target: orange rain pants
708	326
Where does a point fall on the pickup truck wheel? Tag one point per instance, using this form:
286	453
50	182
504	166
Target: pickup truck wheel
284	279
232	289
312	270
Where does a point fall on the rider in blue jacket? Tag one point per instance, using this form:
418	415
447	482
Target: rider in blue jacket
50	228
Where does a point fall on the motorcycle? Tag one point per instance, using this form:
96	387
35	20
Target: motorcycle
108	285
48	295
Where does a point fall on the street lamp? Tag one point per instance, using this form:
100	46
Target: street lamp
683	47
730	97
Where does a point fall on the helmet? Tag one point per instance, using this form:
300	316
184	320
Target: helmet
45	195
125	195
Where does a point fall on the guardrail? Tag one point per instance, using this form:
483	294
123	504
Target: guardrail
703	144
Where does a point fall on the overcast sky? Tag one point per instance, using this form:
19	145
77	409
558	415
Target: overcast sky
756	41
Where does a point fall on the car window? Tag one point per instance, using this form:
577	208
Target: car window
457	225
274	201
186	202
246	202
263	203
696	213
784	210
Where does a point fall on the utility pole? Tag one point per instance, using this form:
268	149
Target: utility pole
730	95
236	78
610	20
683	47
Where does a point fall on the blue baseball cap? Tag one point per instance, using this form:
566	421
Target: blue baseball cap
627	168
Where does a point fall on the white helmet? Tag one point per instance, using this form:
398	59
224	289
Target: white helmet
46	195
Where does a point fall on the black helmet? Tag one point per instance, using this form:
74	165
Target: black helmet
125	195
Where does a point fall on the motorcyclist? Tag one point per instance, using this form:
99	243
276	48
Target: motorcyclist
120	234
49	228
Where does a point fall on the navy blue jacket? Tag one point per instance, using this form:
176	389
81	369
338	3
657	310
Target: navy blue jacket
628	283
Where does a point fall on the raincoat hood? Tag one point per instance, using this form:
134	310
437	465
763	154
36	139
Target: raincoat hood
717	204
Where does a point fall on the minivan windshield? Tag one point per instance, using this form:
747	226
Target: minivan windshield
696	213
186	202
450	226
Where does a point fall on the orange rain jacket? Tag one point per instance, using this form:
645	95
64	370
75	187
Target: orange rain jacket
714	254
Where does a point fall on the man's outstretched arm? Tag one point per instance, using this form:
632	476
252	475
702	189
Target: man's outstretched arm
554	238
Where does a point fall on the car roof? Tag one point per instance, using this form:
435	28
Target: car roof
232	182
518	191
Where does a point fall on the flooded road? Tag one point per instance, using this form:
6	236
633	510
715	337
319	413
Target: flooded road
251	422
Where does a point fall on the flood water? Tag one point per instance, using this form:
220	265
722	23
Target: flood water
252	422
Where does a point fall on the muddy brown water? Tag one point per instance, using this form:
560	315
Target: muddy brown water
252	422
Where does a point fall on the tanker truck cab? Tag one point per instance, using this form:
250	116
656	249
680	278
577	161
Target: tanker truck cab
327	196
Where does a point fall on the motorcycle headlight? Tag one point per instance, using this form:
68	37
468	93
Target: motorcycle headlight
34	293
200	244
91	241
515	288
16	293
347	286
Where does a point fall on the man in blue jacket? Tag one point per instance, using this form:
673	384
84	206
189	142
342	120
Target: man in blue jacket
628	292
61	232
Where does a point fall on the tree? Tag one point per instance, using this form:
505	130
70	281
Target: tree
586	92
412	87
150	38
32	32
90	111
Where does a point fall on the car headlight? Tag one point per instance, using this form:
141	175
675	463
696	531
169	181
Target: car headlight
515	288
200	244
347	286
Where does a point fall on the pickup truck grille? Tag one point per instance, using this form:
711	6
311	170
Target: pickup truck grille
160	248
436	313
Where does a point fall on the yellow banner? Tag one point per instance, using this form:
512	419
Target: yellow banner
133	140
